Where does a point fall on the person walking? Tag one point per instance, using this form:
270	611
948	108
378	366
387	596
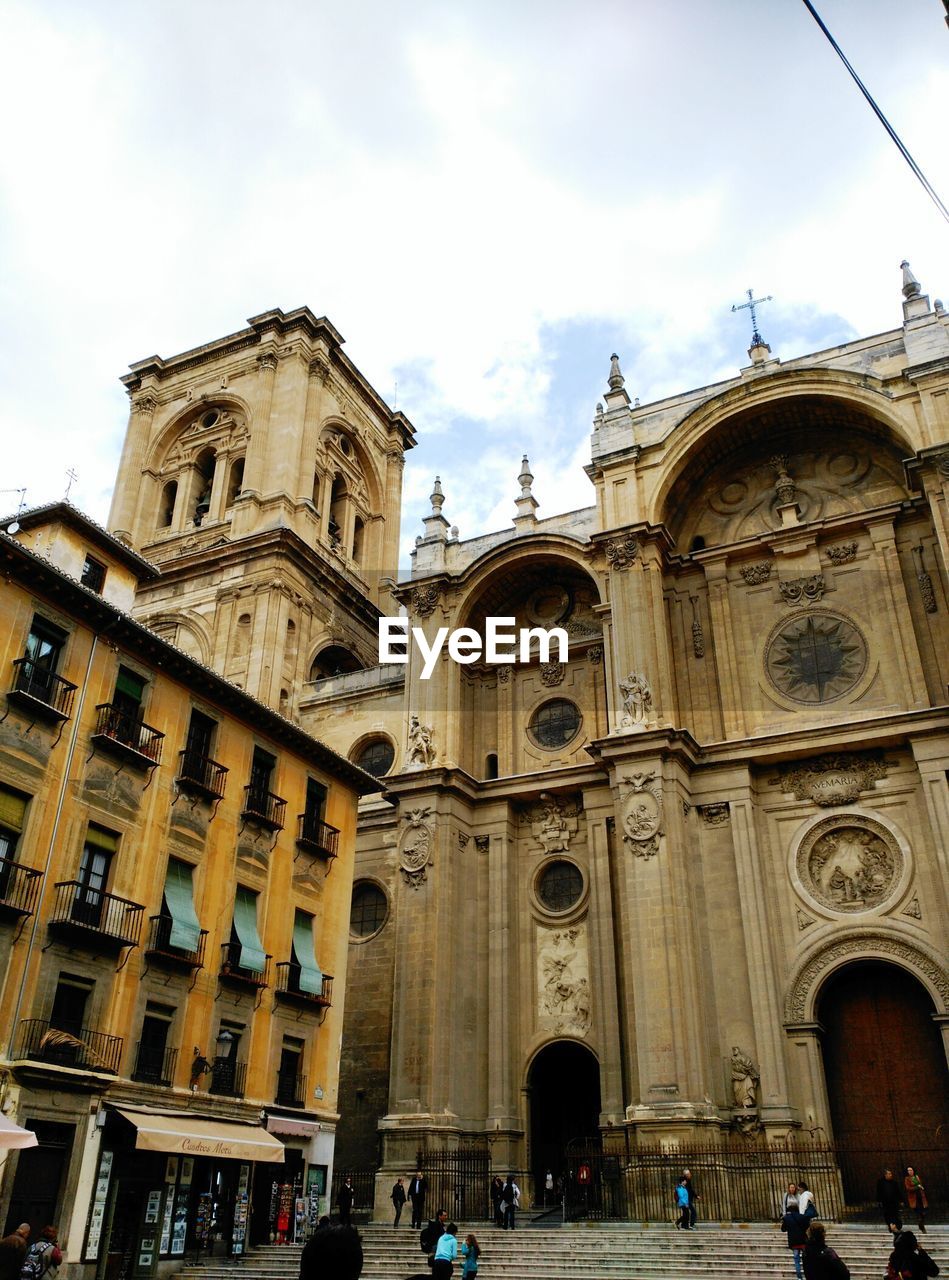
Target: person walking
683	1222
693	1197
41	1255
345	1202
471	1252
398	1197
909	1261
431	1234
510	1201
820	1262
915	1194
890	1197
418	1186
497	1195
805	1199
790	1200
446	1251
795	1224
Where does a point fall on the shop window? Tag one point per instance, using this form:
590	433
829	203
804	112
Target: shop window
93	575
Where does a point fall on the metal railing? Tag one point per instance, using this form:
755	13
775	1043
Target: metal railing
231	967
288	984
159	943
38	682
317	836
228	1078
154	1065
19	887
201	773
38	1040
264	807
290	1089
82	910
123	729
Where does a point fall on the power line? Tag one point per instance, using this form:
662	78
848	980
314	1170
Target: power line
879	114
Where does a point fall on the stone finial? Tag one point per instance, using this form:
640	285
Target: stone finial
436	526
525	479
617	381
911	287
939	307
437	497
526	503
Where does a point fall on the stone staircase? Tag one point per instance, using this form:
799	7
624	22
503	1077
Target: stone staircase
597	1251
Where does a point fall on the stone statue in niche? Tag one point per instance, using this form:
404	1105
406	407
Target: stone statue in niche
563	979
745	1079
850	866
637	701
421	750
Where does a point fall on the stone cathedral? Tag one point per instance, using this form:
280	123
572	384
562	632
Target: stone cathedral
693	879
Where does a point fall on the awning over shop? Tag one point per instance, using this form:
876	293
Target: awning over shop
292	1128
12	1136
192	1136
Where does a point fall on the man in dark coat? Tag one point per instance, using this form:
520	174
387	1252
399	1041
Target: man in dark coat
890	1196
335	1253
397	1196
13	1252
417	1189
347	1195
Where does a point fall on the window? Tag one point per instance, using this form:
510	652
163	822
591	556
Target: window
368	912
166	510
154	1061
316	796
306	974
235	480
555	723
376	756
290	1081
129	690
44	645
70	1002
182	930
491	766
261	772
227	1073
560	886
196	761
93	575
97	854
203	480
246	950
358	530
12	820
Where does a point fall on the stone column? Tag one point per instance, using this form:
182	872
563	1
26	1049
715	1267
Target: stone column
258	446
723	647
640	637
218	496
317	375
603	955
807	1067
503	1123
127	520
931	754
894	604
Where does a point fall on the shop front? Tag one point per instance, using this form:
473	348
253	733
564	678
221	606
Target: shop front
288	1201
171	1186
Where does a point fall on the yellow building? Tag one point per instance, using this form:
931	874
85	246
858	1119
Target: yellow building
175	877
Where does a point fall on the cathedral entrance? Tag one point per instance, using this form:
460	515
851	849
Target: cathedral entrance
886	1074
564	1087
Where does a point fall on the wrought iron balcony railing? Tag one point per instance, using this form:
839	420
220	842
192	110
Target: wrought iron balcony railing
95	918
201	775
42	690
288	987
19	887
118	730
231	970
38	1040
264	808
290	1090
228	1078
158	945
154	1065
317	837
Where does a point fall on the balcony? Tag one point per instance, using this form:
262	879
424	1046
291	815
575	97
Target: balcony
126	736
263	808
97	920
81	1048
40	691
201	776
159	949
19	888
290	1090
314	836
228	1078
288	990
154	1065
231	971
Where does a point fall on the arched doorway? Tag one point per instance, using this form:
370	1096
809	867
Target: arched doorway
565	1104
885	1068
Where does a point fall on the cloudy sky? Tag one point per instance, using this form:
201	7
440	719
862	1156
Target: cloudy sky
485	198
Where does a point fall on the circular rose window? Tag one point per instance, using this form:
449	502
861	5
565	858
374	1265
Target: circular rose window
816	657
368	912
555	723
559	886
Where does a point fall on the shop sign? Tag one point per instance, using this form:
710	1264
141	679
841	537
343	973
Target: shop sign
97	1211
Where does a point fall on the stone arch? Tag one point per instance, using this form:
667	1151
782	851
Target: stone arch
187	630
170	434
526	551
865	944
756	422
360	459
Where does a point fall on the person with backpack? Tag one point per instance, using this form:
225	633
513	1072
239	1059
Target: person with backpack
908	1261
431	1234
820	1261
41	1255
510	1201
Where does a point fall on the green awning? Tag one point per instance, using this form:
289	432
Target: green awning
311	979
252	955
179	899
101	838
130	684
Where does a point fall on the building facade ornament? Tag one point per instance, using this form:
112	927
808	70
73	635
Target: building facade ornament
843	553
595	654
267	360
424	600
642	814
421	746
868	944
925	582
553	821
563	979
621	552
850	863
805	590
756	574
913	910
837	778
803	921
463	839
552	673
319	368
715	815
504	674
145	404
784	486
745	1079
698	635
482	843
415	847
637	701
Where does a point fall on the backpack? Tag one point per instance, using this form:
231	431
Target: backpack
427	1239
36	1264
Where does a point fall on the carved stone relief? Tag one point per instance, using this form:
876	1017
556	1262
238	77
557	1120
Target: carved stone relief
698	635
865	943
913	910
622	552
424	600
756	574
925	582
851	863
745	1079
816	657
553	821
415	847
833	779
802	590
552	673
595	654
637	702
715	815
843	553
563	979
642	814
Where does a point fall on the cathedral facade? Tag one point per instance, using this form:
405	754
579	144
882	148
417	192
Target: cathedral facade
681	882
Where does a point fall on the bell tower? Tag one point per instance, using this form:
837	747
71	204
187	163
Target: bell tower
263	475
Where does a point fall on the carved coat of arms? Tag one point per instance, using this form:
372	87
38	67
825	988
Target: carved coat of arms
416	845
642	814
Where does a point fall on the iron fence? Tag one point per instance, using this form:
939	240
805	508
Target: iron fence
459	1181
